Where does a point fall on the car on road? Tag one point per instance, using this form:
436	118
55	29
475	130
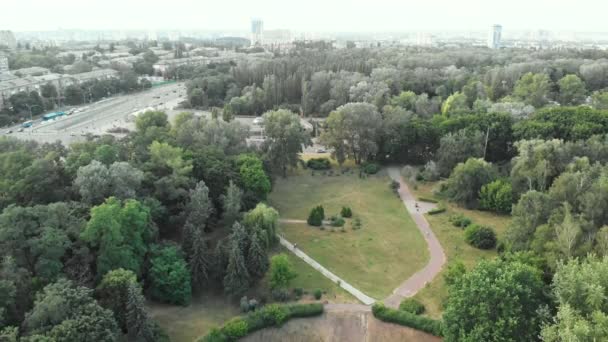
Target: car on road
9	131
20	129
321	150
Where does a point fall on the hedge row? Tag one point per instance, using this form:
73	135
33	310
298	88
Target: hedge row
426	199
437	211
428	325
272	315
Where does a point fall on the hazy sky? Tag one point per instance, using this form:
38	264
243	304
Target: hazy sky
304	15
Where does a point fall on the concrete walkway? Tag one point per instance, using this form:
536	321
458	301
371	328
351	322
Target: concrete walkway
365	299
419	280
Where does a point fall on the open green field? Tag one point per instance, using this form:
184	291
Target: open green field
375	259
185	324
452	241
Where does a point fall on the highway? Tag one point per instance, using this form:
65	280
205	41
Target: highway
97	118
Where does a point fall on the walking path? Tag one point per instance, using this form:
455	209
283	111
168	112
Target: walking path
409	287
365	299
419	280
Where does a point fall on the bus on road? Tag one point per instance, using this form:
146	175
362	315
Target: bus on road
51	116
27	124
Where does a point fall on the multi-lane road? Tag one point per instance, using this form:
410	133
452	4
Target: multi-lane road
99	117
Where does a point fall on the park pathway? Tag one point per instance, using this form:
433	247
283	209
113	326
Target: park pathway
409	287
365	299
418	281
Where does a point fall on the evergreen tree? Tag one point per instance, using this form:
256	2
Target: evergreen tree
239	237
198	262
236	281
232	204
220	261
257	257
139	324
199	209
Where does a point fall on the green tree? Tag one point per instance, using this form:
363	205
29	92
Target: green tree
580	289
64	312
281	272
231	203
466	181
198	261
533	89
236	281
599	100
496	301
120	232
285	139
457	147
532	210
257	257
199	209
455	104
265	219
169	276
253	176
496	196
140	325
352	131
113	293
571	90
316	216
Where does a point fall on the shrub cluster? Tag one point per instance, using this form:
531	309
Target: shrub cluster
318	164
496	196
318	293
317	214
460	221
346	212
412	306
480	236
394	185
356	223
272	315
426	199
337	221
371	168
428	325
437	211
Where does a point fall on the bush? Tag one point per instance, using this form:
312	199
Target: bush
436	211
356	223
480	236
318	293
496	196
461	221
337	221
244	304
394	185
346	212
428	200
408	319
268	316
412	306
318	164
371	168
298	292
316	216
281	295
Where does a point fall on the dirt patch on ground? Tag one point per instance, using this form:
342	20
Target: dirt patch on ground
340	326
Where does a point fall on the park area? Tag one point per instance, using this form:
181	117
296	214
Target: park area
377	258
453	242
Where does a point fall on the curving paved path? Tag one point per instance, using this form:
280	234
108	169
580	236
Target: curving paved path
409	287
419	280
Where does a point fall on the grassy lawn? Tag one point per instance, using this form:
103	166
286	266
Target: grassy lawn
452	240
186	324
375	259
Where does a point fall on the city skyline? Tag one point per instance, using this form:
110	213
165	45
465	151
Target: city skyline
318	16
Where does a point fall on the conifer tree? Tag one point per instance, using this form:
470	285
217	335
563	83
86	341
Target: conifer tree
139	325
198	262
232	204
257	257
236	281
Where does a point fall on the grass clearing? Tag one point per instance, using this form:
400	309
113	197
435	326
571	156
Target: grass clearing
452	240
375	259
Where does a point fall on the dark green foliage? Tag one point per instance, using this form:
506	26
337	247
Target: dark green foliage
237	278
466	181
113	293
272	315
356	224
252	174
198	261
394	186
371	168
496	196
317	293
280	294
140	326
480	236
318	164
346	212
316	216
169	276
336	221
460	221
407	319
568	123
412	306
257	257
426	199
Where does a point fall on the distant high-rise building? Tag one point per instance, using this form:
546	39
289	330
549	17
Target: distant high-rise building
495	37
257	31
8	39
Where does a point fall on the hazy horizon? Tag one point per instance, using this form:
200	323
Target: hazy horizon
313	15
